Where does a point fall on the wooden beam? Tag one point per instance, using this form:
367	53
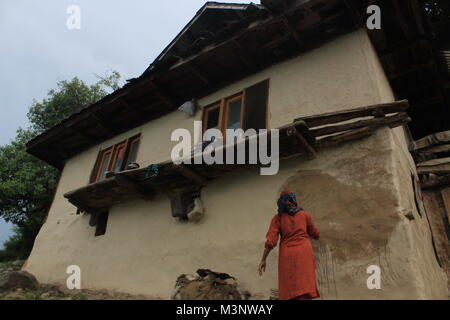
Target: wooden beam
133	186
401	117
162	94
293	31
379	113
434	149
199	74
129	106
432	140
436	166
412	68
102	124
403	46
344	115
60	153
323	21
436	182
81	206
344	137
277	41
190	174
434	162
243	55
354	13
79	132
304	145
402	19
442	169
305	131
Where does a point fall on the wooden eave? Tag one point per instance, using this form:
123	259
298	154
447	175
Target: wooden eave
216	62
303	138
267	34
432	156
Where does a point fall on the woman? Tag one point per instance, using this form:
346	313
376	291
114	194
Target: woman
296	264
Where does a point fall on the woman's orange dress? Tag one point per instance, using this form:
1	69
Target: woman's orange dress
296	263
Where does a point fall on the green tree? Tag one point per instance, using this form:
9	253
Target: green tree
27	184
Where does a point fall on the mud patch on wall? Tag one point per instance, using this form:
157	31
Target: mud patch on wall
355	221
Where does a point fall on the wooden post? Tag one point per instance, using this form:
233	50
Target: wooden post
190	174
345	137
305	146
81	206
133	187
401	117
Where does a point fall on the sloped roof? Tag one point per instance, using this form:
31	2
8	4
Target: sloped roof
211	18
227	42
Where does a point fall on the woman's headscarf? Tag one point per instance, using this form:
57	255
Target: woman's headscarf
287	203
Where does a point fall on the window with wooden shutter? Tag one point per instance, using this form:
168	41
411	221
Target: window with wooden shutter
244	110
255	111
115	158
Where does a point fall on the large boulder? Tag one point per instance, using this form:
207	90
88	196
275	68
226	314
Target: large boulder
11	280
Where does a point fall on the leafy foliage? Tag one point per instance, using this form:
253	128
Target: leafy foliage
69	97
27	184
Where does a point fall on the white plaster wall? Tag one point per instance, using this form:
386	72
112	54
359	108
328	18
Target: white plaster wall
144	249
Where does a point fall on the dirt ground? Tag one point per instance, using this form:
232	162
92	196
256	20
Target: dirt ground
52	292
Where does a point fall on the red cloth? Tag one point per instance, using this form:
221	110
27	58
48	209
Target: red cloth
296	263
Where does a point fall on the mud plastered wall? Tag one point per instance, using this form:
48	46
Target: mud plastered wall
360	204
351	191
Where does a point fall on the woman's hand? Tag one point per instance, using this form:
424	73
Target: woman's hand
262	267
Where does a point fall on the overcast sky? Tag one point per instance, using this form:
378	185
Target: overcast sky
37	49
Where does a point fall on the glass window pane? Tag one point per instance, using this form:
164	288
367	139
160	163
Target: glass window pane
104	166
133	152
119	158
212	120
234	114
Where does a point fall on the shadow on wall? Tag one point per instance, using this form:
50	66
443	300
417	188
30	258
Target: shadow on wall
355	221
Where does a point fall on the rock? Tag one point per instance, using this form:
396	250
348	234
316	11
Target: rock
46	296
17	264
209	285
10	280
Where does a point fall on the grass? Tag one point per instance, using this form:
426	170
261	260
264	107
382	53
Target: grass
79	296
33	294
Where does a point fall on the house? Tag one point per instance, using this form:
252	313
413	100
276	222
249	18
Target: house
336	93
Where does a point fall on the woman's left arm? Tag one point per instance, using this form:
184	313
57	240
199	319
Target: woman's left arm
312	229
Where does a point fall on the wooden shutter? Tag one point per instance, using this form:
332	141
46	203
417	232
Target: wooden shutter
255	106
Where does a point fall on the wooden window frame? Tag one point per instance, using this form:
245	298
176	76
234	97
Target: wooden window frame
113	161
112	150
207	110
226	109
130	142
100	159
223	106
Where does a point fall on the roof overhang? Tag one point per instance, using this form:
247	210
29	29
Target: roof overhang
254	38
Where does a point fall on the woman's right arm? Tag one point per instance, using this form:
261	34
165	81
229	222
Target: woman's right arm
271	242
262	264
